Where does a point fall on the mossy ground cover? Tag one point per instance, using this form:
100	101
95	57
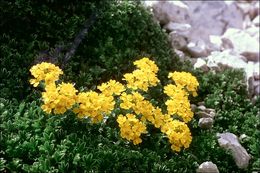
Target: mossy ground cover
32	141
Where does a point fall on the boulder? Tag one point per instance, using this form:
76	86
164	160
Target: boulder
197	49
206	123
257	89
202	107
202	114
207	167
242	43
230	142
227	58
232	15
193	107
170	11
180	28
177	41
205	25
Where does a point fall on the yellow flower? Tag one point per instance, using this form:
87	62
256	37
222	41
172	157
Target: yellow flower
184	79
131	128
111	87
144	77
59	99
94	105
47	72
178	133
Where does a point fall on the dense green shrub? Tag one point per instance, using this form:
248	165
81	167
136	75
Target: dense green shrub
226	93
31	141
123	33
44	30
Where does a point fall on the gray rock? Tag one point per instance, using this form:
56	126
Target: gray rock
197	49
230	142
206	123
166	11
201	107
232	15
257	90
193	107
207	167
177	41
201	103
209	110
181	28
202	114
257	76
201	64
256	21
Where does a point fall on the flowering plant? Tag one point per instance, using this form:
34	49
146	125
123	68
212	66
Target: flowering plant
95	105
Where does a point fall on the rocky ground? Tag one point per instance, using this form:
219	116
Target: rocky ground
214	34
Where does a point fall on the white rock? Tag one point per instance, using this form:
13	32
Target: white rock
242	43
207	167
230	142
148	3
202	107
177	41
166	11
253	32
197	49
250	68
180	28
226	58
213	65
247	23
257	68
256	21
201	64
215	43
242	137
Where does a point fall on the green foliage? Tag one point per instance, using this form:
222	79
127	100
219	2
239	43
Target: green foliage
28	28
226	93
123	32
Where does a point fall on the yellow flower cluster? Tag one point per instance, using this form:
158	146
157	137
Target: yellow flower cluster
131	128
144	77
58	98
185	80
137	103
178	104
178	134
94	105
47	72
111	87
